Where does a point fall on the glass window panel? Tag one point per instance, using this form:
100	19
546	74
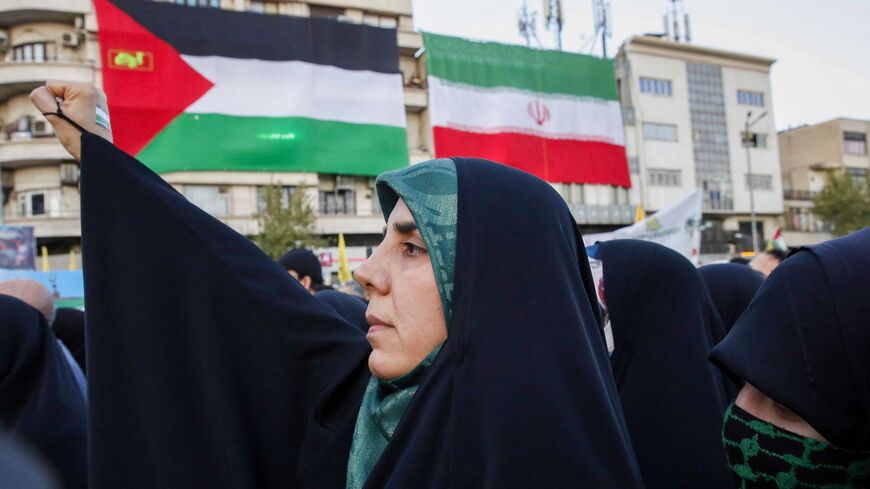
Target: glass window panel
39	52
37	204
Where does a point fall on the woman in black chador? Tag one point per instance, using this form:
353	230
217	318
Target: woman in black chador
802	349
664	325
209	367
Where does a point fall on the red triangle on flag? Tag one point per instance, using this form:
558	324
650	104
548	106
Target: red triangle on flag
147	83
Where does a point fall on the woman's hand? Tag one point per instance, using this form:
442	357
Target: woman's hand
79	102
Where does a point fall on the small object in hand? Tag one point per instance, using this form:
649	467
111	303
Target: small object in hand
102	118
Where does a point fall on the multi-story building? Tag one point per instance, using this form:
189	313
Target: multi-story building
57	39
40	40
685	109
807	155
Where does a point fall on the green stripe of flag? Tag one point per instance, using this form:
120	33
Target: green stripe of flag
194	142
490	64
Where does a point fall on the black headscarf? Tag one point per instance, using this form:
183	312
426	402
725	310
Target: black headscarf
69	327
204	369
21	467
732	287
805	339
39	398
664	325
521	393
304	263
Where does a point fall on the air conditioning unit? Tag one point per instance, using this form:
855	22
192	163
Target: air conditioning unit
69	174
41	129
70	39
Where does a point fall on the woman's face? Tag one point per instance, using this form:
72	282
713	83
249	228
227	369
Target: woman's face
405	316
756	403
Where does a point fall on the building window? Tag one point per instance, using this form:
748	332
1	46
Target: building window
655	86
855	143
858	173
633	165
213	199
664	178
200	3
753	140
759	182
710	146
286	194
802	219
341	201
30	53
659	132
325	12
38	203
746	97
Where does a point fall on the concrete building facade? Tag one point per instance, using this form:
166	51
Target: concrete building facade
685	108
808	154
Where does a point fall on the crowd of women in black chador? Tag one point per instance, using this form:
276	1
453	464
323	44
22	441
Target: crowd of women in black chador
486	363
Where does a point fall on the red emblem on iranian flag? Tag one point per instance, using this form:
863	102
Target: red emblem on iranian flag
538	112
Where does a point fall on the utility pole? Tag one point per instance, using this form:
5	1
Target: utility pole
750	141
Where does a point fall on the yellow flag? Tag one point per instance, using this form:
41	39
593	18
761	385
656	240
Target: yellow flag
343	268
45	258
639	214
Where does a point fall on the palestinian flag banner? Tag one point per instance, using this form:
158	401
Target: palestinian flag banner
550	113
208	89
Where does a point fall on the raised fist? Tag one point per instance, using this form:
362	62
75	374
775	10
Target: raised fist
79	102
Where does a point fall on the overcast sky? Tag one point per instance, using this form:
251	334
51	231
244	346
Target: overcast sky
822	47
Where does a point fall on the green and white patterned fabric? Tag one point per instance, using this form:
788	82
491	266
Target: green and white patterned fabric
765	456
430	191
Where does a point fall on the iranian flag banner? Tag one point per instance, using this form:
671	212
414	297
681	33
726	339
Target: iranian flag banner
550	113
208	89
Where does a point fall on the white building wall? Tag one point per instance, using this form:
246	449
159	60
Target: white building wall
649	108
765	161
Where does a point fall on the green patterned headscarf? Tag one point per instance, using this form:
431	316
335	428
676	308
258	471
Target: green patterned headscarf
762	455
430	191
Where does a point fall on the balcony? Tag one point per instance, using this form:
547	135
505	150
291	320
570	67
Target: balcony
31	152
798	194
391	7
22	77
409	41
14	12
416	99
61	224
349	224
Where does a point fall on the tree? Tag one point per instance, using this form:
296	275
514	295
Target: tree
844	202
285	221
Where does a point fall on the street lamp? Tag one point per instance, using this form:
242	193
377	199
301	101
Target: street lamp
750	141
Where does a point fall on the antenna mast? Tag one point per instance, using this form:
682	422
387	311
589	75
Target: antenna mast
676	23
553	14
526	25
601	15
